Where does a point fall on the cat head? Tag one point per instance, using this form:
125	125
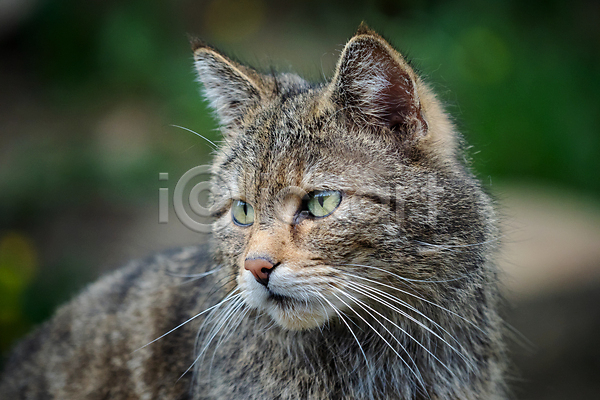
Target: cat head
324	193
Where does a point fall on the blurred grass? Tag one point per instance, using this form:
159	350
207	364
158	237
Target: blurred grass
93	86
521	78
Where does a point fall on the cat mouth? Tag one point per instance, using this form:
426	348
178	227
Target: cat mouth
289	303
278	298
283	301
290	306
293	313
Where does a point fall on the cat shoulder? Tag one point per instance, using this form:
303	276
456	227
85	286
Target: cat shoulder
95	344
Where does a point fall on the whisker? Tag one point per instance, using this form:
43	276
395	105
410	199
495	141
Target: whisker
363	290
233	298
417	297
230	327
360	302
220	284
222	319
417	374
182	324
452	246
213	332
408	279
195	276
230	323
214	146
340	315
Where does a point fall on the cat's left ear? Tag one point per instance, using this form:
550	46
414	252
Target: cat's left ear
375	86
230	88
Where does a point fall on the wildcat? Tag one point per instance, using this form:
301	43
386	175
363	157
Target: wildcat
351	258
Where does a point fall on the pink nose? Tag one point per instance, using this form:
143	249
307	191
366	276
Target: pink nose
260	268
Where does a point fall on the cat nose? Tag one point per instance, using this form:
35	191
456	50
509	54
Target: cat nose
260	268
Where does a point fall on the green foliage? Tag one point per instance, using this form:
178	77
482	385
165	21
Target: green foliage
521	79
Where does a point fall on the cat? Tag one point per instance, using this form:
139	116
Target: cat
351	257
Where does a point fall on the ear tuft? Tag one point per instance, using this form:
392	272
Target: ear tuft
196	43
363	29
229	87
376	86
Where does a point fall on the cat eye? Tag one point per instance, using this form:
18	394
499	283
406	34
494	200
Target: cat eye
242	213
322	203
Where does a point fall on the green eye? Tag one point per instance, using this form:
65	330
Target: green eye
242	213
322	203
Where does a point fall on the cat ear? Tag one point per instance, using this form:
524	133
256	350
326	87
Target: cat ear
229	87
376	86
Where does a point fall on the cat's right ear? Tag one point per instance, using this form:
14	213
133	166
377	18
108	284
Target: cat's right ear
377	88
229	87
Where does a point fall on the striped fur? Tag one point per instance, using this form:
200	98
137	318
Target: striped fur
392	296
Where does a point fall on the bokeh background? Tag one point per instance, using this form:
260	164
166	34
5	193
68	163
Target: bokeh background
89	91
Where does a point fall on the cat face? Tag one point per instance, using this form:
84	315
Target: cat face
293	201
321	191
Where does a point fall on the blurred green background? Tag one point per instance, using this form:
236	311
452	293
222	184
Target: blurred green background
89	90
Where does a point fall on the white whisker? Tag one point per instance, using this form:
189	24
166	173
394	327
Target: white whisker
417	297
452	246
214	146
407	279
341	316
417	374
232	298
363	304
195	276
182	324
365	289
215	330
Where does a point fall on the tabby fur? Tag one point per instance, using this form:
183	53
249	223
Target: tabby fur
392	296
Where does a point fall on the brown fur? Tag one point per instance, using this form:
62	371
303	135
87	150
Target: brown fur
392	296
